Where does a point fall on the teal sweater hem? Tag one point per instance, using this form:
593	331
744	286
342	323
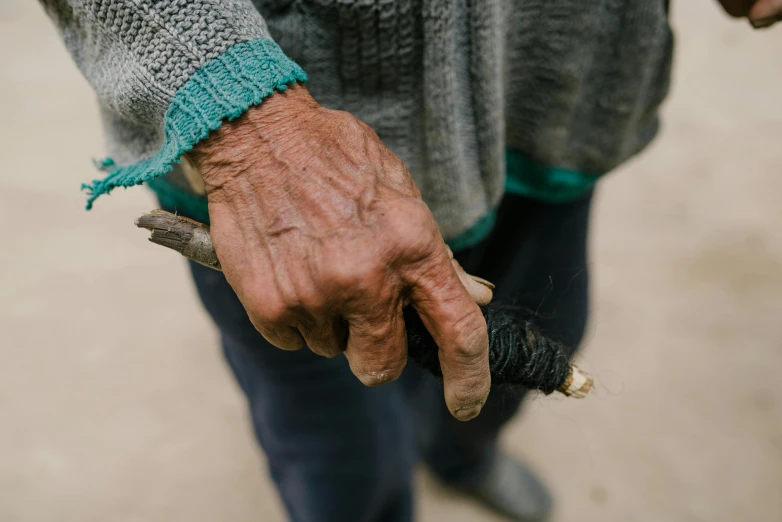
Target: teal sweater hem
223	89
526	177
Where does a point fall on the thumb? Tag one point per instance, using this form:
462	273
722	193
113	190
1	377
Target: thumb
479	289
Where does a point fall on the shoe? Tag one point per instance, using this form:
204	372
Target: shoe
512	490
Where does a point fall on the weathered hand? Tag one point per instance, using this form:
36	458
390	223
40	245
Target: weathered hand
762	13
322	233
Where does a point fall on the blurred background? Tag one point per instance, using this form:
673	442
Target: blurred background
115	403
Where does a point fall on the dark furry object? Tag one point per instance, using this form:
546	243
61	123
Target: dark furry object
519	354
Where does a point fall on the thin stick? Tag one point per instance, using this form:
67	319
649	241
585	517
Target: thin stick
188	237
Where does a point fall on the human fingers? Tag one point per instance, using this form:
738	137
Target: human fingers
377	344
282	336
765	13
326	337
459	329
479	289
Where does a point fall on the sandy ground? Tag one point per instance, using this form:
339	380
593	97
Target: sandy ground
116	406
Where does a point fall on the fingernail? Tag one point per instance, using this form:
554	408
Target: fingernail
482	281
766	22
466	414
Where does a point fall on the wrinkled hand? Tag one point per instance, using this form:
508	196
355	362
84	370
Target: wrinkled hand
322	233
762	13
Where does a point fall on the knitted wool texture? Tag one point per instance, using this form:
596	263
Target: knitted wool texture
567	89
223	89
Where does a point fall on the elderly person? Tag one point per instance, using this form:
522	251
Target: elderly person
478	124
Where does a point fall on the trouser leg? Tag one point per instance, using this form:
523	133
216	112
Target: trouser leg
537	257
337	450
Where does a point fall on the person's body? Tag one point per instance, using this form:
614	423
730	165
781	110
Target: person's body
492	122
357	445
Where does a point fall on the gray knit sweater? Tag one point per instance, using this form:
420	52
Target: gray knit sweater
536	97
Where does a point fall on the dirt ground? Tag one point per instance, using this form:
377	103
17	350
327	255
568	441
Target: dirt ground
116	406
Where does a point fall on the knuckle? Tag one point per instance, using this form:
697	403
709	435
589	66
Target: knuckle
339	275
362	274
470	338
271	311
322	341
313	301
379	335
281	337
413	226
369	274
434	277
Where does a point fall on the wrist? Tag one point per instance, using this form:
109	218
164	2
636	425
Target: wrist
227	150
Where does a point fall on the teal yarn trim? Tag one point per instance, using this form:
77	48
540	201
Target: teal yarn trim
224	88
475	234
525	177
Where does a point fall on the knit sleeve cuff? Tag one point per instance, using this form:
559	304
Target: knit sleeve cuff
223	89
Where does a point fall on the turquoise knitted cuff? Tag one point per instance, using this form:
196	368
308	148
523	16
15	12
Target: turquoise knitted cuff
525	177
224	88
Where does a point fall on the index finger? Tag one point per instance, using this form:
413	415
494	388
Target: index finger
459	329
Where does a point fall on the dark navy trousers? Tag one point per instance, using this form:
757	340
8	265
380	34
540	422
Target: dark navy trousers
342	452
